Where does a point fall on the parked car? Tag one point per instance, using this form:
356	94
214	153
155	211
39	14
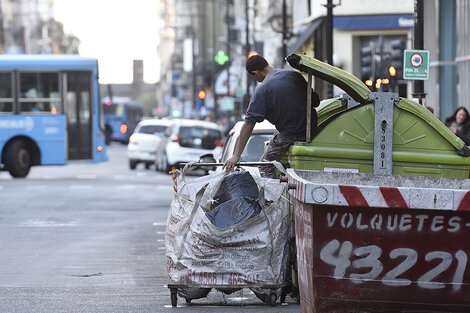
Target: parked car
143	143
254	148
185	141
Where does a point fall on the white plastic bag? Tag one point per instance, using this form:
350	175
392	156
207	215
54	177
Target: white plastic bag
254	252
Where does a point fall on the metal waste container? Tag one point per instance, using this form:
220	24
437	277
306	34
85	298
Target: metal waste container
375	232
381	243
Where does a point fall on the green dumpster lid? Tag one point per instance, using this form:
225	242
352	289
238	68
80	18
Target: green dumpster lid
344	80
331	108
434	122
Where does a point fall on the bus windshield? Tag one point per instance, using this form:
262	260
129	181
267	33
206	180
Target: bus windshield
117	110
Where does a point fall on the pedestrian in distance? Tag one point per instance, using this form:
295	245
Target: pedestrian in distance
430	109
459	124
281	98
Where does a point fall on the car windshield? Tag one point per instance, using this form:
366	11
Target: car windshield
198	137
152	129
254	148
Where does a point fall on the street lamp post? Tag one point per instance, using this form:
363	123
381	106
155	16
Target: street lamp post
284	30
418	85
329	41
247	51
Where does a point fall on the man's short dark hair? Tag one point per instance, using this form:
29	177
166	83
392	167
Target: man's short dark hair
256	63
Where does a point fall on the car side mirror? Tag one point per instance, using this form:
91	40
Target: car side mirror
207	158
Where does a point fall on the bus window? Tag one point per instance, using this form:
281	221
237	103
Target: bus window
6	94
39	93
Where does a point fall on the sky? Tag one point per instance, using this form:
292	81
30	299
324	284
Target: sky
116	32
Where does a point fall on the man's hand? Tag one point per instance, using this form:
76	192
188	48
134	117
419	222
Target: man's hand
245	133
229	165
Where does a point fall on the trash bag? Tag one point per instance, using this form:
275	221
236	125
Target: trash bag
190	293
234	211
236	185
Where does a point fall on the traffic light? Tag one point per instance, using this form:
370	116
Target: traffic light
201	94
392	71
396	63
252	53
367	59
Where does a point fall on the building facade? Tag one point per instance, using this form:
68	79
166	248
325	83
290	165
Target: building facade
28	27
276	28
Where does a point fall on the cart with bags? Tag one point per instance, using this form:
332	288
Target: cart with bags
228	232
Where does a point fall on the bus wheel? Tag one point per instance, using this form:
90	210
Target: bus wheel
132	164
18	159
147	165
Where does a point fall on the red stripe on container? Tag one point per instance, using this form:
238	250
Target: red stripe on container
353	196
393	197
465	203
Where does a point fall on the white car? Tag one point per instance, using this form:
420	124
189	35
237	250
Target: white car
262	132
143	143
185	141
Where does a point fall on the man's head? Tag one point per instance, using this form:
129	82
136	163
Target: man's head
257	67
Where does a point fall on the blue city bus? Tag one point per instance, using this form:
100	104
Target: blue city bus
50	112
121	116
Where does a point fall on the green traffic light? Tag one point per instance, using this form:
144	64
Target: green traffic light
221	58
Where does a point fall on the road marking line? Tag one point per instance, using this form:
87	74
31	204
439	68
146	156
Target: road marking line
121	177
36	187
127	187
86	176
80	187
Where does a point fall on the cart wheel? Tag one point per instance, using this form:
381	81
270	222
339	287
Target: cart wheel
272	299
174	297
188	300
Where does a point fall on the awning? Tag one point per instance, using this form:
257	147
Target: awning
304	36
386	21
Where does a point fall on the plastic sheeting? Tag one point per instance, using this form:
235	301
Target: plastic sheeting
252	253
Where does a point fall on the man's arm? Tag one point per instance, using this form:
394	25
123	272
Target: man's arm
245	133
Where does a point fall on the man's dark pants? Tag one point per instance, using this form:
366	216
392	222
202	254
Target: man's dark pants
277	148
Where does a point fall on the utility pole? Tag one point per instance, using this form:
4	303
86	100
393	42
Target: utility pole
284	30
418	85
2	33
329	40
247	51
193	48
214	41
227	20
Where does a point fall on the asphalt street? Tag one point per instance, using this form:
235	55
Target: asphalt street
90	238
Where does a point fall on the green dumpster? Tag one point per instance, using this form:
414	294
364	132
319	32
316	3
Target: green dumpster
345	140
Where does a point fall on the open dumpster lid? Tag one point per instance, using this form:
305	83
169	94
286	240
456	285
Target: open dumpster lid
354	87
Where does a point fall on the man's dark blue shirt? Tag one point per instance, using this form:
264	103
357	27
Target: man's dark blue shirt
281	99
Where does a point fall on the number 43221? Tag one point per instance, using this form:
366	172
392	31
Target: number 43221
367	257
